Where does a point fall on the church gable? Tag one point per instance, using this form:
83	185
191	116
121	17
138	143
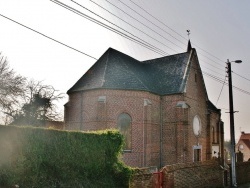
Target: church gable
195	84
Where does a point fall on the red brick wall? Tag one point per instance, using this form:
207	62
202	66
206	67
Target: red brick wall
196	97
202	174
97	115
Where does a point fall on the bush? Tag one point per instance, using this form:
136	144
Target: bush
36	157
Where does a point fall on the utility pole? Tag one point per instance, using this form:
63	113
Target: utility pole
232	132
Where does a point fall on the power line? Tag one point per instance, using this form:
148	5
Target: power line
158	20
221	91
168	28
161	29
144	25
48	37
133	25
207	74
120	27
211	70
151	21
241	76
212	76
141	23
138	41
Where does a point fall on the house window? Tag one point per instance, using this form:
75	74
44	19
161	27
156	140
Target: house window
124	126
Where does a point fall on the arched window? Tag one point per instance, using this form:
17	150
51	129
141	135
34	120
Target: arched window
213	135
124	126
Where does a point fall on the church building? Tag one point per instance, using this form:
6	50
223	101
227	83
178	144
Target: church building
159	105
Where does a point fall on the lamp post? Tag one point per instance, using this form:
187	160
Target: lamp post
232	133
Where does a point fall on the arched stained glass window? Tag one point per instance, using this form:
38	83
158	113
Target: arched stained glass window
124	126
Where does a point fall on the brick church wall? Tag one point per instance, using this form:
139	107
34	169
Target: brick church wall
99	109
196	97
97	116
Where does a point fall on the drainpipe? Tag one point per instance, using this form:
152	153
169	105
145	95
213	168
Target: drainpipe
161	127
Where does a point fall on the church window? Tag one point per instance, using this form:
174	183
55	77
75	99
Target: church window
213	134
197	153
124	126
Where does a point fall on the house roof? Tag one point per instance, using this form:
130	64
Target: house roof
245	138
115	70
246	142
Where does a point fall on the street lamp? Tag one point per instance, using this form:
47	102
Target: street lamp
232	134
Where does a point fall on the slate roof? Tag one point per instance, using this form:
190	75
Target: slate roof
115	70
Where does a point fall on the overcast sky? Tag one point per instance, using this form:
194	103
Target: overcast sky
219	31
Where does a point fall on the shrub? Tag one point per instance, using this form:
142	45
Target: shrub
37	157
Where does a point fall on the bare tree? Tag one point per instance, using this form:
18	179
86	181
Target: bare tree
11	87
38	105
25	102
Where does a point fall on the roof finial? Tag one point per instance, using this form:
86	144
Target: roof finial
189	47
188	33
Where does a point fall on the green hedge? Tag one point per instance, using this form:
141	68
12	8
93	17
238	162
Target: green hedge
36	157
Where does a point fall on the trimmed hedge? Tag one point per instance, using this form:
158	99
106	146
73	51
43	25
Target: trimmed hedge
36	157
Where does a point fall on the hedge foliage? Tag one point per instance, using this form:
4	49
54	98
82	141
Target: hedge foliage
36	157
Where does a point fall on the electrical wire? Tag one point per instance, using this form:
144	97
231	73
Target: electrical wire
159	21
212	76
133	26
119	26
141	23
48	37
144	25
221	91
138	41
241	76
205	73
150	21
168	28
167	32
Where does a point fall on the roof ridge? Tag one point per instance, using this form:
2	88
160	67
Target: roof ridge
186	72
105	68
169	56
132	72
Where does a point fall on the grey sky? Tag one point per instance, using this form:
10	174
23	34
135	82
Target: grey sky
219	27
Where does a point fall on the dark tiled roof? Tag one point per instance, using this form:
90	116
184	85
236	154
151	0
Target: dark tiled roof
115	70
